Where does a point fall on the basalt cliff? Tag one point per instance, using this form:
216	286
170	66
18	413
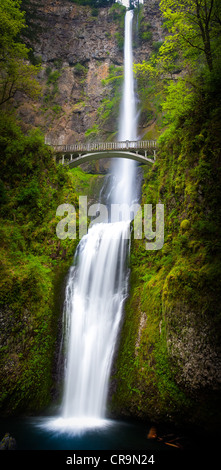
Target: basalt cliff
77	47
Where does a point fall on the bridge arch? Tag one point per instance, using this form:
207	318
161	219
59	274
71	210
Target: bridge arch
88	157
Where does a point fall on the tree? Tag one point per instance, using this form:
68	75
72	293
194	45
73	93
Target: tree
16	74
194	25
187	66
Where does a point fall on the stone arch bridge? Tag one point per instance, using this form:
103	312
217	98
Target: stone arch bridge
143	151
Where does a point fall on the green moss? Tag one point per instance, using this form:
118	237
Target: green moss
109	109
145	381
34	263
146	36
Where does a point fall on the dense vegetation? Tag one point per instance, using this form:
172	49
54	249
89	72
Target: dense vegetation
16	75
34	260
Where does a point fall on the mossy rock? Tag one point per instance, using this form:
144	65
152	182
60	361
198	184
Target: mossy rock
185	225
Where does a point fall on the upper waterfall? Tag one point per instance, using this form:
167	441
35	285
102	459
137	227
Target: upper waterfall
124	170
128	116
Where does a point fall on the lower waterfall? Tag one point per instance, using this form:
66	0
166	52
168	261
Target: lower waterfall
95	293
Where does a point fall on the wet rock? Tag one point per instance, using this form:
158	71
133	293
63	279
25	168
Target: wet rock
8	442
152	434
167	439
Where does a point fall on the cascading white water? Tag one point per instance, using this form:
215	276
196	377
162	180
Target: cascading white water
128	120
95	293
124	169
97	285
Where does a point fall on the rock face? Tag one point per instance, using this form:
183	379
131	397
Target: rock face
76	50
197	359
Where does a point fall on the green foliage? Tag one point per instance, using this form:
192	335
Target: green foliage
117	14
56	109
29	194
80	69
120	40
3	197
33	262
52	76
93	131
157	45
194	26
109	110
16	74
185	66
185	225
146	36
52	89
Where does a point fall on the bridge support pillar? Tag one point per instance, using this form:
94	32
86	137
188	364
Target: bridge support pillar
154	154
62	160
71	157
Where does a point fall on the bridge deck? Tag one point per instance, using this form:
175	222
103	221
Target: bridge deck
102	146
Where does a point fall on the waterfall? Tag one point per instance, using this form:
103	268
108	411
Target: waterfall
128	124
124	169
94	297
97	285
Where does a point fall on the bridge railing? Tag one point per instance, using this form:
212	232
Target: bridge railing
102	146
